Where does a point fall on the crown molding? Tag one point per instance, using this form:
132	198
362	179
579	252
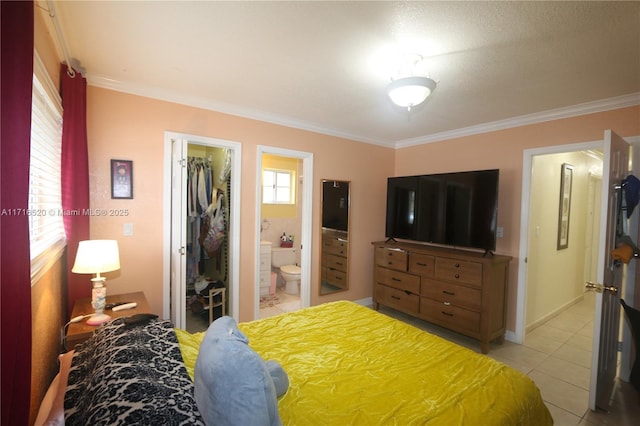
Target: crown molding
207	104
540	117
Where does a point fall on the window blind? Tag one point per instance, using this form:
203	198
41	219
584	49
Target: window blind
46	228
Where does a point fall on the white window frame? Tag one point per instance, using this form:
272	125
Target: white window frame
276	193
46	228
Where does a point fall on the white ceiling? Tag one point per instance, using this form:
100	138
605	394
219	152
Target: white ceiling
317	66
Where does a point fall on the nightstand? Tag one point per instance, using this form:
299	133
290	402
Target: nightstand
81	331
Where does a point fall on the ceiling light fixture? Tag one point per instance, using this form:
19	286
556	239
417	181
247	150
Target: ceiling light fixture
409	92
409	89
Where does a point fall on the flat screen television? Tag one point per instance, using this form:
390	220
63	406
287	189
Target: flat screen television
335	205
456	209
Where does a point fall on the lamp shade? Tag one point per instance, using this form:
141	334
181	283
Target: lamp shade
96	256
408	92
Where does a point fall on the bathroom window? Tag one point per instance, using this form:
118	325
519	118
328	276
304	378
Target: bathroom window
277	187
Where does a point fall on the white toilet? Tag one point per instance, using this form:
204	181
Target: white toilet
284	259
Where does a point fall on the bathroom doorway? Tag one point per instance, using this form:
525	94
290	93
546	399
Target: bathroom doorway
284	180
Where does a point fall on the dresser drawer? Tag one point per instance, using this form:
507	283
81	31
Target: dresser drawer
449	316
398	280
461	271
336	262
422	264
265	279
333	245
457	295
336	278
398	299
393	258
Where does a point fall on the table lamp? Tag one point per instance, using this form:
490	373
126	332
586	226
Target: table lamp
96	257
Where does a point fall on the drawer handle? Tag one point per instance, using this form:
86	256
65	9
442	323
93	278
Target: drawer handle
342	240
457	275
395	297
447	303
450	293
407	292
396	279
393	249
338	263
447	314
421	264
457	265
338	278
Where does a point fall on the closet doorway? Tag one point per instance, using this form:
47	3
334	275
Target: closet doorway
202	199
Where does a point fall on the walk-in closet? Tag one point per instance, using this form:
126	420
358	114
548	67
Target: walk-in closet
207	230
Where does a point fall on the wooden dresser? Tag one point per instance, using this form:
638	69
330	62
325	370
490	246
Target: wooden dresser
463	291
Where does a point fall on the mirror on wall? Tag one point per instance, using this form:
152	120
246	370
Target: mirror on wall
334	272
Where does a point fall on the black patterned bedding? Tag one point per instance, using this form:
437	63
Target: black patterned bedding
130	376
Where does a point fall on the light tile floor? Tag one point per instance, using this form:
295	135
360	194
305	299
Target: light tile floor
288	303
557	356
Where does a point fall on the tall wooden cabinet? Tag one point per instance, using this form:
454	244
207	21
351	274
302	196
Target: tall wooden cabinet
463	291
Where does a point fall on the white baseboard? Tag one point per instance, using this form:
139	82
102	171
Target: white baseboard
368	301
529	328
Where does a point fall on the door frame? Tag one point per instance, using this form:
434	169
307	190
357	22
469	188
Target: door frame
171	293
518	335
527	170
307	221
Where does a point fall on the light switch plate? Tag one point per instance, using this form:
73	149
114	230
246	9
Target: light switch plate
128	229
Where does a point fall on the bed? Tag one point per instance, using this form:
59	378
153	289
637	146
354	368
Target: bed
346	364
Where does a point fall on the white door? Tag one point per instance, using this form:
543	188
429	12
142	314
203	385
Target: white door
610	275
178	232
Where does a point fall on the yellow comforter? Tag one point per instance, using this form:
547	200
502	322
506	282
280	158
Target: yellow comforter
350	365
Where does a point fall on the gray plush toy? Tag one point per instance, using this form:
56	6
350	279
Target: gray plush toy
233	384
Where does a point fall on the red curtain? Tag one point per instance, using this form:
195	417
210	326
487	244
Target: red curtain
75	175
15	275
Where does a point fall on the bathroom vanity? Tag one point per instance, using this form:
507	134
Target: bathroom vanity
265	268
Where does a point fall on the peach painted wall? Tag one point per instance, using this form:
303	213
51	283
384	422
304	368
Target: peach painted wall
124	126
504	150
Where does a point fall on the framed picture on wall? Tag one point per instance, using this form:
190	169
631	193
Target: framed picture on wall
122	179
566	180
